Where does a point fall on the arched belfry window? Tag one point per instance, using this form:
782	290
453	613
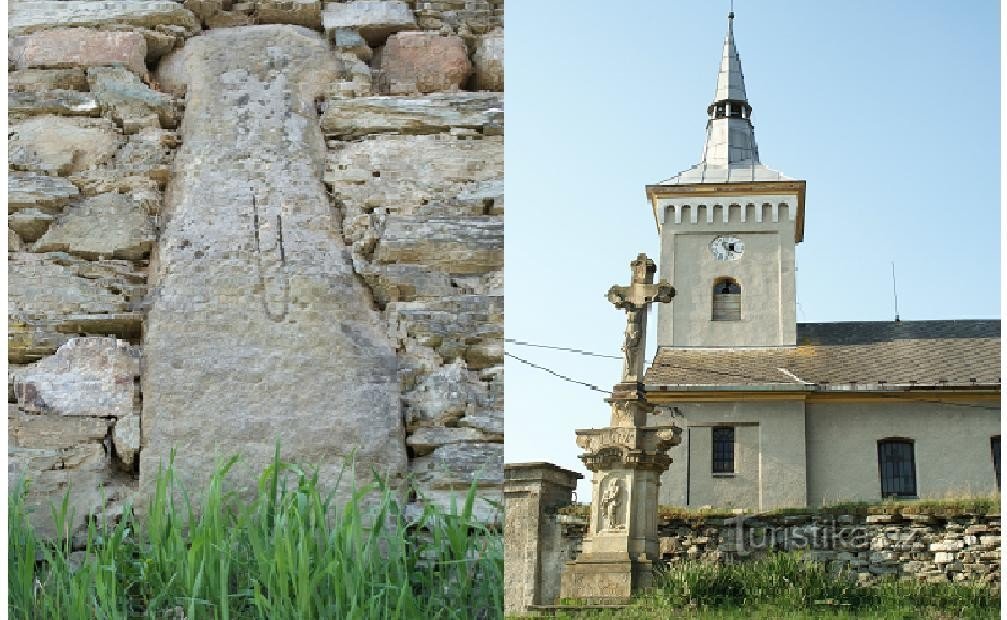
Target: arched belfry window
897	467
726	300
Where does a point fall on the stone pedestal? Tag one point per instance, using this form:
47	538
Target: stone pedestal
533	555
627	460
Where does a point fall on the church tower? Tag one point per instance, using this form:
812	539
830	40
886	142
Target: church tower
729	226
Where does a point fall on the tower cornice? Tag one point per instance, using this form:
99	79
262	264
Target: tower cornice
726	191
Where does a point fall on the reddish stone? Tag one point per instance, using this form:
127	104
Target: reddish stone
80	47
423	62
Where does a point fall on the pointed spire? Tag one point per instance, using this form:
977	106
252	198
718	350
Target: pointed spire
730	137
730	80
730	152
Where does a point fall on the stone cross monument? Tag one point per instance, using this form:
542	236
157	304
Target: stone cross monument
627	460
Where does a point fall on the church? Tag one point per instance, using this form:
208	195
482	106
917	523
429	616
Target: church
777	413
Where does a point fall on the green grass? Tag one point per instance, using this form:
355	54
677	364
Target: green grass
788	585
288	553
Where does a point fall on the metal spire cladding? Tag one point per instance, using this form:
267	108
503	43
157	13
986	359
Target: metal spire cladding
730	152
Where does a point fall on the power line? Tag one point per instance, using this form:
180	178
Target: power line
556	374
567	349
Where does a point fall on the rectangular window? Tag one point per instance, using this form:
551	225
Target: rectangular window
723	449
995	448
897	468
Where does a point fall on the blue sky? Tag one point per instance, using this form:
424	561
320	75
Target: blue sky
890	110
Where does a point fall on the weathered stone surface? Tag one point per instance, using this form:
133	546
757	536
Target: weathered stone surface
126	437
26	17
131	104
414	115
54	431
349	40
79	47
64	102
300	12
61	145
38	191
423	62
34	80
14	243
109	225
257	299
56	287
455	466
30	224
489	61
464	17
456	245
375	20
425	439
30	342
86	377
147	153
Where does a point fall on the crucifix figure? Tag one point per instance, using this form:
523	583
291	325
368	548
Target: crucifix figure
635	300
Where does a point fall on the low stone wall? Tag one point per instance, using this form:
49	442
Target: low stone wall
926	546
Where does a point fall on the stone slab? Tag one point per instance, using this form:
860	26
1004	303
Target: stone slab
63	48
423	62
44	192
375	20
27	17
413	115
108	225
91	377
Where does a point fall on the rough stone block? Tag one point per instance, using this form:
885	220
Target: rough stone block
109	225
423	62
56	287
455	466
300	12
375	20
27	17
38	191
14	243
132	104
349	41
126	437
434	114
461	245
54	431
79	47
35	80
91	377
488	60
62	102
425	439
61	145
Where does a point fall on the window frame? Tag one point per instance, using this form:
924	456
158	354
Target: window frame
715	296
715	462
891	486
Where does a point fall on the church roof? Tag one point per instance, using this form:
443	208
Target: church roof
863	355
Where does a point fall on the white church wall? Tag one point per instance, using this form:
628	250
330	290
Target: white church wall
951	448
769	456
765	272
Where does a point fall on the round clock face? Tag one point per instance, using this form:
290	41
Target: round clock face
727	248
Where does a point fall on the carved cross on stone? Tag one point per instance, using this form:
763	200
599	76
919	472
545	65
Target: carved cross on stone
635	300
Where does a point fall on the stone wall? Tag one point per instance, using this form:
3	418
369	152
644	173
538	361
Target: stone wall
544	531
232	222
927	546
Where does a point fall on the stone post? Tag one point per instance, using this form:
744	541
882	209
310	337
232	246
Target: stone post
533	492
